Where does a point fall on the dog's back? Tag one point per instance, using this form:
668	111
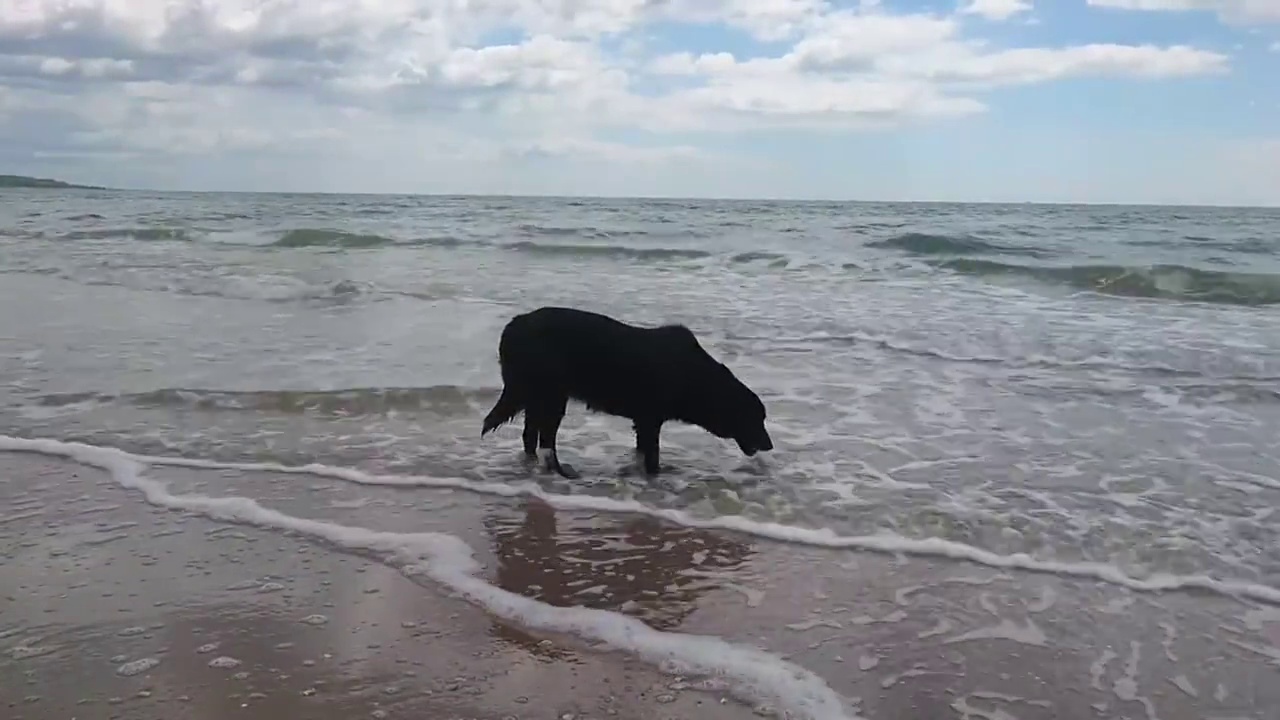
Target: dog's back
608	365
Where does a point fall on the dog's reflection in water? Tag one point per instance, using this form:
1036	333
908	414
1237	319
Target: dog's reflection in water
635	565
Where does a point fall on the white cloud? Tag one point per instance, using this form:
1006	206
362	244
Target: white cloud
1275	47
1031	65
908	51
996	9
52	66
849	37
373	83
596	150
1231	10
864	101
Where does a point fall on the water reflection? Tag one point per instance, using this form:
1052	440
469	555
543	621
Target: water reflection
639	566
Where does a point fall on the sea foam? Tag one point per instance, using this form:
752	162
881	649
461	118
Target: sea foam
884	542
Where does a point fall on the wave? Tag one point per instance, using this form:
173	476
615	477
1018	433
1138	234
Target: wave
645	254
120	462
308	237
927	244
304	238
1169	282
341	239
228	288
345	402
1030	361
143	234
1226	393
1250	246
772	258
287	239
608	251
556	230
598	233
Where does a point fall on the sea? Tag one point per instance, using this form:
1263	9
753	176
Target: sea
1092	391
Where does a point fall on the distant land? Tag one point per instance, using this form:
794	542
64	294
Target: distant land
24	181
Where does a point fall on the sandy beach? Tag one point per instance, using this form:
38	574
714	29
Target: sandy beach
115	608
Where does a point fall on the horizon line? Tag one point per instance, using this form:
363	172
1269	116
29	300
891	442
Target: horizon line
668	198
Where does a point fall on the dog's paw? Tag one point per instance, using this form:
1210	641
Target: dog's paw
551	462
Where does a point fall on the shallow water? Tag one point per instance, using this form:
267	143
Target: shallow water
1094	387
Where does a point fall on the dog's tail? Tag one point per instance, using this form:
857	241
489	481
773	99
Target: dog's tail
511	402
506	409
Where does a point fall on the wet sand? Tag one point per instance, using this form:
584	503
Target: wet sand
112	608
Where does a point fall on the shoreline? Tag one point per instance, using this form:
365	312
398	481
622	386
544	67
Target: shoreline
128	610
925	636
885	543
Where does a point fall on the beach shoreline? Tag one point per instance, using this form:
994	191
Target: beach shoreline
117	609
218	617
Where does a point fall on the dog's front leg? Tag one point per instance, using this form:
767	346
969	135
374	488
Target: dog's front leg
647	444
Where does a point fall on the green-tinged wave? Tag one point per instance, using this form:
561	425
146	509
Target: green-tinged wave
1171	282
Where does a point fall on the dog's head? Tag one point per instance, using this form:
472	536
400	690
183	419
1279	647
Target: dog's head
732	411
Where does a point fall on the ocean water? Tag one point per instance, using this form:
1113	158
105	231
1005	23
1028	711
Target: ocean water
1091	391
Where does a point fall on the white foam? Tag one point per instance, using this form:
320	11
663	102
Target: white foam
1182	683
1126	687
885	542
1030	634
756	675
137	667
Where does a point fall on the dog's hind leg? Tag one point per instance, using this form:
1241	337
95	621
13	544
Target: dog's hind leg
647	444
548	412
530	435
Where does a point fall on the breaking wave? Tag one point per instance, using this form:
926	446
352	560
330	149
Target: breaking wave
307	237
1029	361
652	254
143	234
927	244
1168	282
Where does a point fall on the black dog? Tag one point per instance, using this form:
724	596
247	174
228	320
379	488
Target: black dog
650	375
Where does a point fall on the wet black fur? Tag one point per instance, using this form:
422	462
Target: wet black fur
651	375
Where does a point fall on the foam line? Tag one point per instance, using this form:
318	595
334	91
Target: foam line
755	675
818	537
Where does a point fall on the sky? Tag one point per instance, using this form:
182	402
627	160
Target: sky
1143	101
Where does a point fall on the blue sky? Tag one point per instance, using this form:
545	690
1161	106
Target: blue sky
1172	101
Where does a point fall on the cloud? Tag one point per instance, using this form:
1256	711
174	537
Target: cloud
996	9
361	84
1241	11
924	57
52	67
1031	65
580	149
